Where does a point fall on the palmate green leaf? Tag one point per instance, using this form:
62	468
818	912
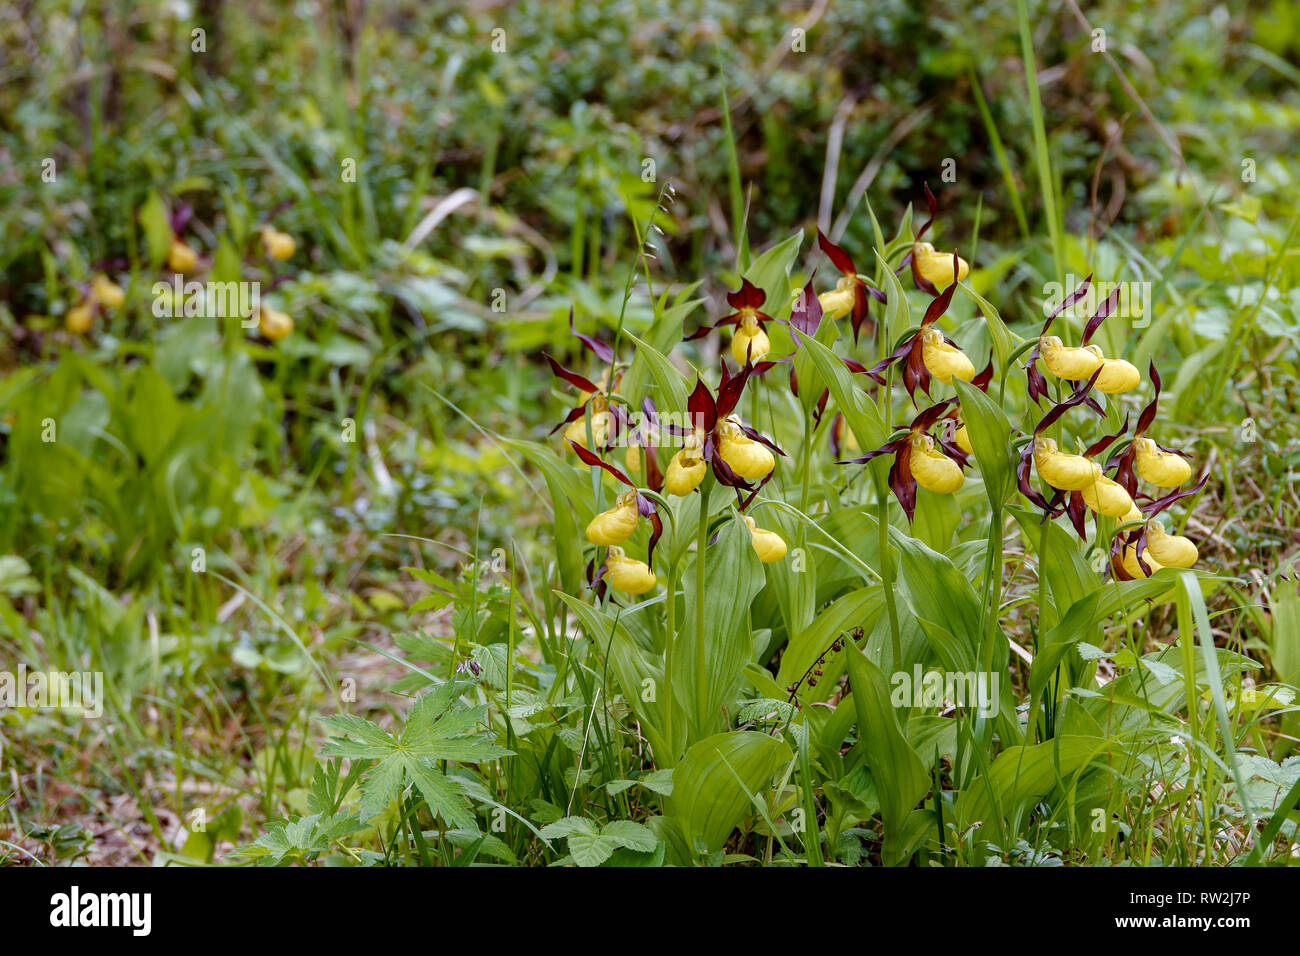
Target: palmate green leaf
716	779
899	774
434	730
590	845
990	436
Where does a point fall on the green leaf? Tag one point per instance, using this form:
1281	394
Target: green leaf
157	226
990	436
899	774
717	780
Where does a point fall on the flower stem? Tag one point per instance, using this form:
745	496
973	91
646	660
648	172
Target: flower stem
702	543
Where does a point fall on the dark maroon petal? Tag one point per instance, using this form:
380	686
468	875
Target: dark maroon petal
821	406
729	391
1103	313
836	424
953	452
699	333
745	502
593	459
1077	511
1160	504
656	531
861	318
1068	301
888	448
901	481
1149	413
806	315
982	380
1124	476
748	296
573	378
1079	397
933	205
939	306
838	256
1099	446
604	352
703	409
755	436
573	416
1022	479
936	412
794	382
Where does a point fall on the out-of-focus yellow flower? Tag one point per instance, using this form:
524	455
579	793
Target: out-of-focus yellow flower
747	458
576	432
962	439
274	324
1130	562
769	545
1074	364
685	472
107	292
181	258
1107	497
632	458
627	574
1158	467
1171	550
844	434
279	245
944	361
79	318
936	267
838	302
1117	376
615	525
1063	470
931	468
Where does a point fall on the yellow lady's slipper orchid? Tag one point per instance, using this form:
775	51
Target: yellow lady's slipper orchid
615	525
1130	562
750	342
1117	376
1134	514
627	574
1070	363
838	302
107	292
684	474
962	439
1062	470
932	469
1171	550
747	458
1107	497
769	545
577	430
279	245
944	361
1160	468
79	318
274	324
936	267
181	258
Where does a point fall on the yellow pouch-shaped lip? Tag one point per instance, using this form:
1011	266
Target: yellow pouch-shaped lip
756	343
839	301
944	361
1069	363
684	475
577	430
627	574
1107	498
1117	376
746	457
768	545
936	267
1062	470
962	439
1159	468
1171	550
932	469
615	525
1130	562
